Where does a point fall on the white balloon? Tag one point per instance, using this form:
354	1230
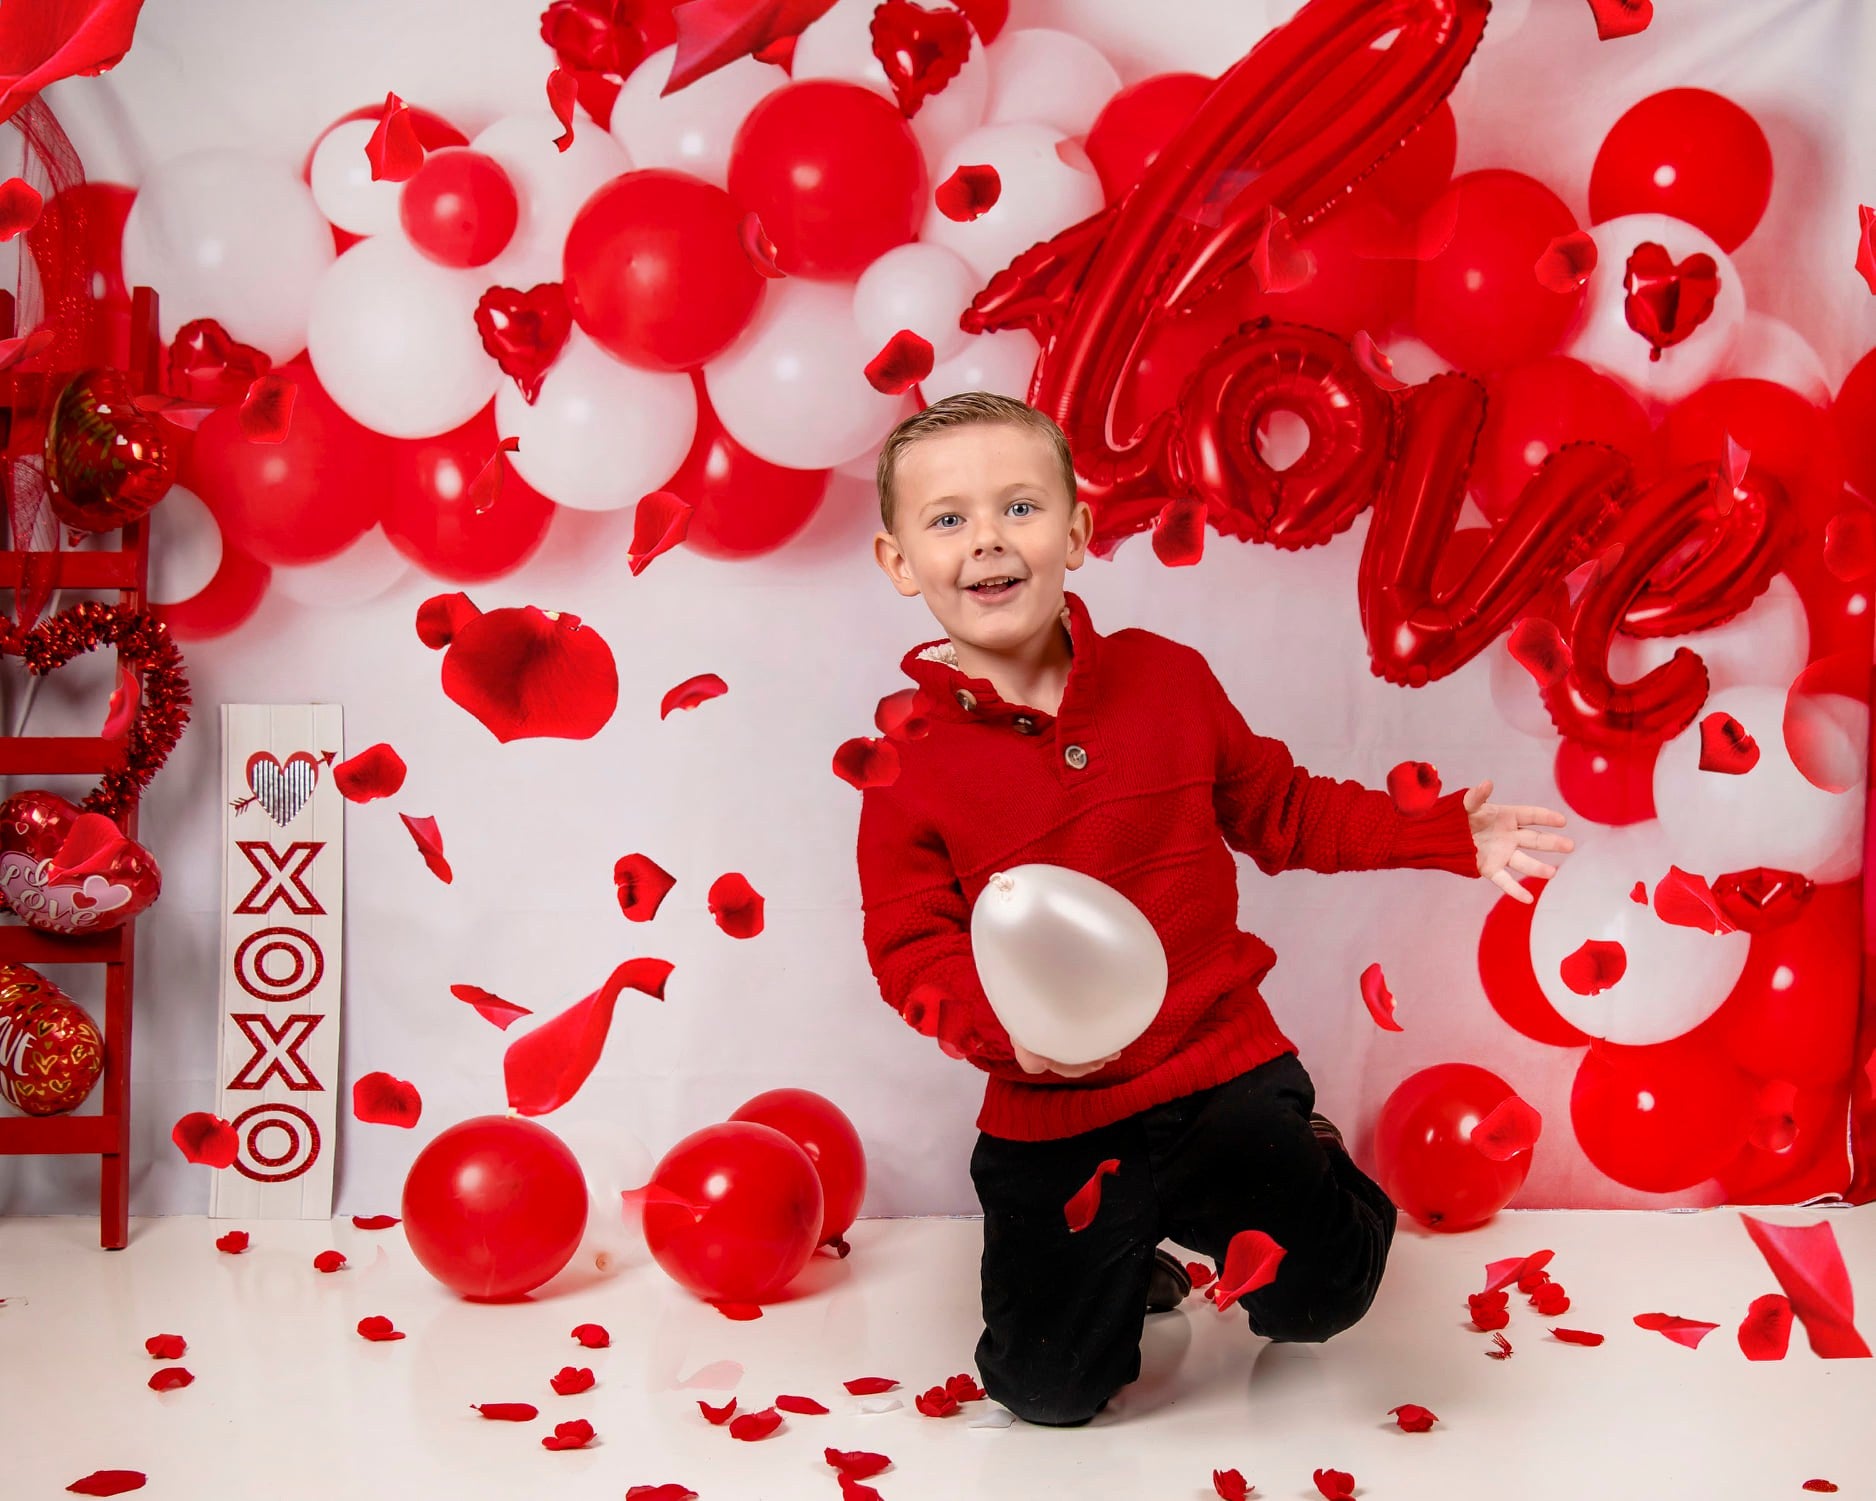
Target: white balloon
840	45
230	235
1676	977
1042	194
1603	338
691	130
1721	821
611	1160
1073	969
185	547
362	572
1771	349
917	286
792	389
1053	77
393	340
550	187
602	433
342	182
1765	645
1000	362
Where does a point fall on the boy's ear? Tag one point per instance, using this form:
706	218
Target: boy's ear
891	559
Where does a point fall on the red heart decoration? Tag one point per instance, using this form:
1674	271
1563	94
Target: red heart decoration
67	871
524	332
921	50
50	1050
107	462
1667	300
207	365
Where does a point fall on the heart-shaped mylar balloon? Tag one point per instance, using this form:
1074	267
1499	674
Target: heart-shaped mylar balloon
1668	299
51	1052
106	462
67	871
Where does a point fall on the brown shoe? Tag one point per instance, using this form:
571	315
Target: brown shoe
1169	1284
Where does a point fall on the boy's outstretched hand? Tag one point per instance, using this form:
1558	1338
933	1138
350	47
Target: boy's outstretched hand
1035	1063
1504	831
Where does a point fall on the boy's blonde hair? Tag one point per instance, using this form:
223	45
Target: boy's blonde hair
962	410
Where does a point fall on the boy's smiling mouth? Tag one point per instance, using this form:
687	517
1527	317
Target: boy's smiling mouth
990	591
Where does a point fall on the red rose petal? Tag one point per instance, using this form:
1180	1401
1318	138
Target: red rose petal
545	1068
1866	245
670	1492
1566	263
562	89
570	1380
1725	746
854	1490
1277	262
577	1433
718	1415
378	1328
1688	1332
108	1483
503	1013
1596	965
329	1261
660	521
267	410
394	151
1413	1418
1230	1485
1375	362
692	691
1809	1266
754	1426
806	1406
1512	1127
1551	1300
593	1336
1577	1336
380	1100
902	362
1379	999
655	1195
1251	1261
507	1412
1619	18
1686	900
531	673
736	905
1488	1311
166	1346
643	885
1850	545
1086	1203
936	1402
1540	649
523	332
233	1243
429	842
870	1386
1199	1272
376	771
759	247
23	347
1337	1485
1765	1332
485	490
730	1308
375	1221
1500	1274
969	192
20	205
1179	532
170	1378
865	762
857	1463
644	974
964	1387
441	616
1639	893
1414	786
1818	1485
205	1138
900	715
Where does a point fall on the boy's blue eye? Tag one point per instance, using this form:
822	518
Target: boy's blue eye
948	515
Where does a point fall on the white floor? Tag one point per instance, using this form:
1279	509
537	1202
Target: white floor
289	1401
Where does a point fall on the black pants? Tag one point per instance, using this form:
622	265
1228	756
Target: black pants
1063	1313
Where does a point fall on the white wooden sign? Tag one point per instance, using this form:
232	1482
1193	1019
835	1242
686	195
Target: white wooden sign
283	895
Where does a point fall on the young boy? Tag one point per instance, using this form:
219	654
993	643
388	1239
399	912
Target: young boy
1036	738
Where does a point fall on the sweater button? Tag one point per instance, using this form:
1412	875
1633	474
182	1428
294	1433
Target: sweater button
1024	725
1075	756
966	699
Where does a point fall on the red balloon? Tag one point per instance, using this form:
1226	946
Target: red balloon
459	208
431	517
1690	154
106	462
433	134
494	1206
656	271
227	601
1664	1117
1612	784
821	1129
1352	286
834	173
741	505
1793	1012
1533	410
77	247
1135	125
757	1219
1510	982
299	501
1853	416
1424	1156
1477	302
1796	1147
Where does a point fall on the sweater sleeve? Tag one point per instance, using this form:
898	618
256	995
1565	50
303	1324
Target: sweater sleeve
1273	810
917	932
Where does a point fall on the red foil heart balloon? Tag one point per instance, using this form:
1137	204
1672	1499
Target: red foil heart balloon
524	332
106	462
51	1052
1667	300
66	871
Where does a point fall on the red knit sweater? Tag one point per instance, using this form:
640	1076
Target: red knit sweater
1171	780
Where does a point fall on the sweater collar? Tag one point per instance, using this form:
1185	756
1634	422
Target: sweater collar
934	667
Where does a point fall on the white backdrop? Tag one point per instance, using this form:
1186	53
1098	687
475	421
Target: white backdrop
810	638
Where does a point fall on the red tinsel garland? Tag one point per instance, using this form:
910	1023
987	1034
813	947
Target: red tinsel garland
141	640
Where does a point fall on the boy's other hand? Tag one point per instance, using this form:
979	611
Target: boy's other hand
1035	1063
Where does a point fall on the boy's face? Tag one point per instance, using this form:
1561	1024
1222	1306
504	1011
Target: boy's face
980	502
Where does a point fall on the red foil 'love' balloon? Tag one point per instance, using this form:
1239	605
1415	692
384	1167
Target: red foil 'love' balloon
66	871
